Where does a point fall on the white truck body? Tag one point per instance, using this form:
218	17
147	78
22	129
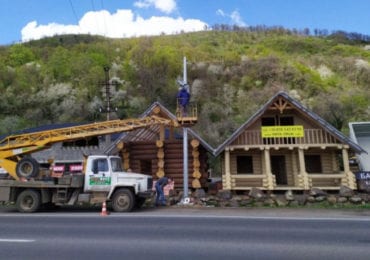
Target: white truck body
103	180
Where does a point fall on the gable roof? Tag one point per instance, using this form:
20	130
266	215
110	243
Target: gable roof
146	134
324	124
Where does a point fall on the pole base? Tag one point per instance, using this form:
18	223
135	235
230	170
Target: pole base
185	201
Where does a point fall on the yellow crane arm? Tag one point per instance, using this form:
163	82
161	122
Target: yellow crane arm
15	145
43	138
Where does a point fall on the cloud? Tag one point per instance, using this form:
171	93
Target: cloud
123	23
166	6
237	19
220	12
234	17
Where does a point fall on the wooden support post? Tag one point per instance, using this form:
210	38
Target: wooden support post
160	156
126	159
302	169
227	184
335	167
196	164
295	168
161	132
172	133
269	176
351	181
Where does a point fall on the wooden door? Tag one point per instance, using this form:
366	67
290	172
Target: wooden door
278	169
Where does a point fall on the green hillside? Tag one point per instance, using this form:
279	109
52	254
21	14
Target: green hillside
231	73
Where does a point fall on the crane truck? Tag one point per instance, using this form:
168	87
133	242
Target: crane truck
30	187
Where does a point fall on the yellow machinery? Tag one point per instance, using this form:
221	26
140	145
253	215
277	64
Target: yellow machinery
14	148
187	116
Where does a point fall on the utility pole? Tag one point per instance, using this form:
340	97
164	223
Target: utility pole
107	91
107	109
107	88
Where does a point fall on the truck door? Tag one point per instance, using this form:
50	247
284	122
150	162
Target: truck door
99	175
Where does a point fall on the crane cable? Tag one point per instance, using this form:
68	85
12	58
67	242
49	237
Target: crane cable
94	10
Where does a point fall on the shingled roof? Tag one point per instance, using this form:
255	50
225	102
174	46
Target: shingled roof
146	134
310	114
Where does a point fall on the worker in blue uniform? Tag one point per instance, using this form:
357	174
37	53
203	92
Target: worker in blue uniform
160	198
183	98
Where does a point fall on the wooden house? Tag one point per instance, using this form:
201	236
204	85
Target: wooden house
285	146
158	151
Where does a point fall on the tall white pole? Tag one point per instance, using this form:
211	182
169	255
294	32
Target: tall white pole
185	151
185	158
185	76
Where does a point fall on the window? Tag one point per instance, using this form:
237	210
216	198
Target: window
287	120
116	164
277	120
244	164
313	163
267	121
100	165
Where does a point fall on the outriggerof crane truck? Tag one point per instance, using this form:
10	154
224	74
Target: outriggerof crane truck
102	179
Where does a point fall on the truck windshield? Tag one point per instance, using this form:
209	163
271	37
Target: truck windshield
116	164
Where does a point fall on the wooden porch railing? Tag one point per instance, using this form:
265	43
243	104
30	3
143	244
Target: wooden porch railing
311	136
322	181
326	181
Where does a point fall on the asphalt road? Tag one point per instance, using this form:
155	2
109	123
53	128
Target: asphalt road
186	233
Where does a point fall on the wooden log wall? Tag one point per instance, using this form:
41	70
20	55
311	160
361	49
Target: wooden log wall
165	158
174	167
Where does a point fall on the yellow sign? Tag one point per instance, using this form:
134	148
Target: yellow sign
282	131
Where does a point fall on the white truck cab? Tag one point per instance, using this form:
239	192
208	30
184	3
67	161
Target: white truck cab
105	174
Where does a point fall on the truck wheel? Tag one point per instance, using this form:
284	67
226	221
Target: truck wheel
123	200
27	167
28	201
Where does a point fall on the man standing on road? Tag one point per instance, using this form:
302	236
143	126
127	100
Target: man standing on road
160	199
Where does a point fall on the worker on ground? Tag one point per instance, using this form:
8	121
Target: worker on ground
160	198
183	97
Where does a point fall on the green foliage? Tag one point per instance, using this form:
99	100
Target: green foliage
348	51
231	74
19	55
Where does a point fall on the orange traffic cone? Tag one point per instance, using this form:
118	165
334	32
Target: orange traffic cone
104	211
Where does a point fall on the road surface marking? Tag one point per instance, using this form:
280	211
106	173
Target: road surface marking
16	240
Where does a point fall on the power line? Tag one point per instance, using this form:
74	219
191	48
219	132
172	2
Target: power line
94	10
74	12
105	23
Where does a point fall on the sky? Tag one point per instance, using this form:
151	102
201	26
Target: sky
25	20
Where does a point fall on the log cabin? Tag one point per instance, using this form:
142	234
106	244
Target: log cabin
158	150
285	146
